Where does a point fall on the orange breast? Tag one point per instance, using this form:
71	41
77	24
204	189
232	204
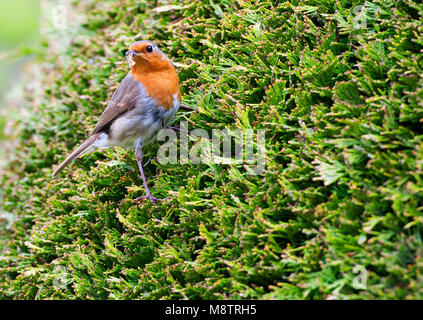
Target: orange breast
161	85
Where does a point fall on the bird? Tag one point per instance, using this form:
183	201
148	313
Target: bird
145	101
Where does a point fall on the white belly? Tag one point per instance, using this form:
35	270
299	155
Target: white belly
140	124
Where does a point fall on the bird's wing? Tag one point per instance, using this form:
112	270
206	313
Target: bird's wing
123	99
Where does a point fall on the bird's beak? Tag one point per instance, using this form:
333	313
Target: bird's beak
131	52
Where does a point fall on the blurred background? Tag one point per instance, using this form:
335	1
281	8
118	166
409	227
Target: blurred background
19	32
24	25
19	40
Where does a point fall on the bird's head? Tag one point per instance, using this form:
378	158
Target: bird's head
144	56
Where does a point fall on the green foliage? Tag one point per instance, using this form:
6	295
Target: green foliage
341	104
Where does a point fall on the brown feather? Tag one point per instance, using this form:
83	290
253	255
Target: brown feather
123	99
76	153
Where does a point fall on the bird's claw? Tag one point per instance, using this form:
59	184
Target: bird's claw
151	198
177	128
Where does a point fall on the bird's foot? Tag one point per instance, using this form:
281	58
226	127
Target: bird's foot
151	198
177	128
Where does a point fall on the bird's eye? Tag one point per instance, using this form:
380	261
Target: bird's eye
149	49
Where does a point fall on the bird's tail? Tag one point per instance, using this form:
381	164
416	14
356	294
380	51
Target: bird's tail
76	153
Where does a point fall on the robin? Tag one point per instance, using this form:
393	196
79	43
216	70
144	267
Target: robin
145	102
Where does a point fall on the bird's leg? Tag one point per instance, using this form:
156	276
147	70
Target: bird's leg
138	156
177	128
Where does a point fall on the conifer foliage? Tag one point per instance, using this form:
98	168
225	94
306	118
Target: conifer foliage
338	88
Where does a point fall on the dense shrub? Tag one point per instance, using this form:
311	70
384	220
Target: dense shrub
338	212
